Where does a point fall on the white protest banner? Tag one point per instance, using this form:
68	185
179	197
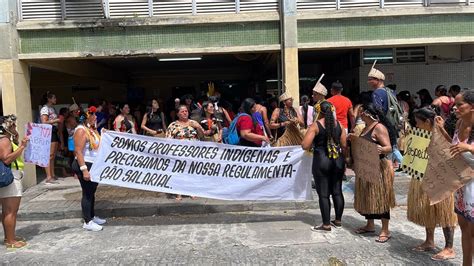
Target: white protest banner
203	169
39	147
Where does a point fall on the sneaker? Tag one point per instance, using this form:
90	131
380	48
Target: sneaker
91	226
98	220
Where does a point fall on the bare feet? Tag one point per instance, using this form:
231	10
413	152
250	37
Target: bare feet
445	254
179	198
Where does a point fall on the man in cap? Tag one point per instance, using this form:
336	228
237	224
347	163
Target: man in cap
344	110
376	81
380	98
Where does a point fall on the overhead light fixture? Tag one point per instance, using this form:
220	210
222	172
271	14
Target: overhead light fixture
378	58
179	59
272	80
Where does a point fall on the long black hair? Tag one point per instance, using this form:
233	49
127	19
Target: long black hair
425	97
158	112
427	113
204	107
46	96
327	109
376	112
247	106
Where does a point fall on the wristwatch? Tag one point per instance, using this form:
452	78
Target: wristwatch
83	168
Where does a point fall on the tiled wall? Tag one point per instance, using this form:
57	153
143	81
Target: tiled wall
122	39
413	77
384	28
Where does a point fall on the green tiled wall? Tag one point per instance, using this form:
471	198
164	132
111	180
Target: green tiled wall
148	37
385	28
122	39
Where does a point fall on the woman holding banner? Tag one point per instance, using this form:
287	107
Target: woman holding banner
285	115
419	210
10	196
250	131
329	140
124	122
374	200
153	123
86	145
185	129
463	143
48	116
211	123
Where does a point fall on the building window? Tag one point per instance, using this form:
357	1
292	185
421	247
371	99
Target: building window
411	55
382	55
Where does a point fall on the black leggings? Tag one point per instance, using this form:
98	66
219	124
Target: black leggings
88	192
328	174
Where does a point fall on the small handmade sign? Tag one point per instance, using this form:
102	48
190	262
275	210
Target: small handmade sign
445	173
416	157
39	147
366	160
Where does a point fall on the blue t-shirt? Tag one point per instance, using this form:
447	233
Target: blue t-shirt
380	99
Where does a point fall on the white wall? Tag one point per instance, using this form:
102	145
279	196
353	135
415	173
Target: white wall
413	77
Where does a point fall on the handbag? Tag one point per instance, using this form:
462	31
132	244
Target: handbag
6	175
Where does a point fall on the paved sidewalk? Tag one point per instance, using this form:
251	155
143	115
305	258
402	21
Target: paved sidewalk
63	201
237	238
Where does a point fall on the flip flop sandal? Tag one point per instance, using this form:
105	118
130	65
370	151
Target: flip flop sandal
336	223
442	258
15	245
386	239
362	231
17	238
320	229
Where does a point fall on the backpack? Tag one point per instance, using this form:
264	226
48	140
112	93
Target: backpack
230	134
395	111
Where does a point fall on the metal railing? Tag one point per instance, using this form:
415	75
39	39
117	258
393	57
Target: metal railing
90	9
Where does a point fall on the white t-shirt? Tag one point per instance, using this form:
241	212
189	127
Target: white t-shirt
50	112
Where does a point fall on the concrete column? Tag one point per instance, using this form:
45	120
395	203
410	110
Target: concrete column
289	49
16	98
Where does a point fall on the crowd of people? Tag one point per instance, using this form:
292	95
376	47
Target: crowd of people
324	124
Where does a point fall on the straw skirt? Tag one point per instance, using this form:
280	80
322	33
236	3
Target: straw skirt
421	213
375	198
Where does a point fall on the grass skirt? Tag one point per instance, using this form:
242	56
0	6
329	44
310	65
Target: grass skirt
421	213
375	198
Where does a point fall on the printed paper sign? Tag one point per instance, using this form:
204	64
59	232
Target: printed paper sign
416	157
445	173
39	147
366	160
203	169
